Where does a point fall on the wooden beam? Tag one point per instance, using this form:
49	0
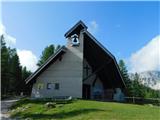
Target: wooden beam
96	71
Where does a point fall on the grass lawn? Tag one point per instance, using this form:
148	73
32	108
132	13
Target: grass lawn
84	110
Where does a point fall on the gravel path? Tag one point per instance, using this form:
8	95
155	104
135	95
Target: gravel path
5	105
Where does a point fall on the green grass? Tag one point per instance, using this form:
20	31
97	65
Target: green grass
84	110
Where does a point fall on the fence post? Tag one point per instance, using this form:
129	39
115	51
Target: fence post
133	100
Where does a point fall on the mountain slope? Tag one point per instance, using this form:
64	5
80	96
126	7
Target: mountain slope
149	78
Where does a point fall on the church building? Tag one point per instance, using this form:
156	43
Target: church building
83	68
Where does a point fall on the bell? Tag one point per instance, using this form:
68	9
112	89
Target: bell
75	39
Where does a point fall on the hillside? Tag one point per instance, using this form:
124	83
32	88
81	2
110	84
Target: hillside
149	78
85	110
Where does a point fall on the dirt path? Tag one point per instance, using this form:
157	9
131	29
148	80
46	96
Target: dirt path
5	105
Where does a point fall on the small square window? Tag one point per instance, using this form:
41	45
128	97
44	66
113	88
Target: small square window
56	86
49	85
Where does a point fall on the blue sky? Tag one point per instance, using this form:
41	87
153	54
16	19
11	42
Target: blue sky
122	27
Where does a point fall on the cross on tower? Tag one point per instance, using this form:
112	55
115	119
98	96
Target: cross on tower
86	69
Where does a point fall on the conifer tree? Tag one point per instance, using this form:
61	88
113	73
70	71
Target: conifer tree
125	75
46	53
4	66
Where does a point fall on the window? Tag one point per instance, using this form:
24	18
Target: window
56	86
49	85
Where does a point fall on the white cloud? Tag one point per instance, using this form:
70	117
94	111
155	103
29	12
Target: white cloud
10	40
28	59
2	29
93	27
147	58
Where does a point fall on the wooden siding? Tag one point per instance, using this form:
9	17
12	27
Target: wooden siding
68	73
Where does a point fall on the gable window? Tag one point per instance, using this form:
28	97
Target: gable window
56	86
49	85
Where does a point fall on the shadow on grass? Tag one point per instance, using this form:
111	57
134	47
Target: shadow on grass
19	103
59	115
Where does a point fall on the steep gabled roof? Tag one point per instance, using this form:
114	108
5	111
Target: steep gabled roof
99	44
53	57
76	29
79	27
107	53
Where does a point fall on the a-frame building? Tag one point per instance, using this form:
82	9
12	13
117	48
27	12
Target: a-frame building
81	69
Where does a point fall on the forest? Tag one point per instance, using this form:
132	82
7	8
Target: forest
134	86
13	75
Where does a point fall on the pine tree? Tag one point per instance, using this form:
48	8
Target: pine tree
15	72
4	66
25	88
57	48
25	73
125	75
138	90
10	69
135	86
46	53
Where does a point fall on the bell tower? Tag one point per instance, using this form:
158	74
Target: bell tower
75	38
74	54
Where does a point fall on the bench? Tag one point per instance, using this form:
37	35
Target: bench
64	99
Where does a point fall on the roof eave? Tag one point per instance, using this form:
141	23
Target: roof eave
63	48
99	44
105	50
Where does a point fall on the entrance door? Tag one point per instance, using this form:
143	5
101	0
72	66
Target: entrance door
86	91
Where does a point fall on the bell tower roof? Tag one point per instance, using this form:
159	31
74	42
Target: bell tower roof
76	29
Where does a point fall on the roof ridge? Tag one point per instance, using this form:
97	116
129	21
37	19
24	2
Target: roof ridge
80	22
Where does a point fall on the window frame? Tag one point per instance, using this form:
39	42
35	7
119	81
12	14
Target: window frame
49	86
56	86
